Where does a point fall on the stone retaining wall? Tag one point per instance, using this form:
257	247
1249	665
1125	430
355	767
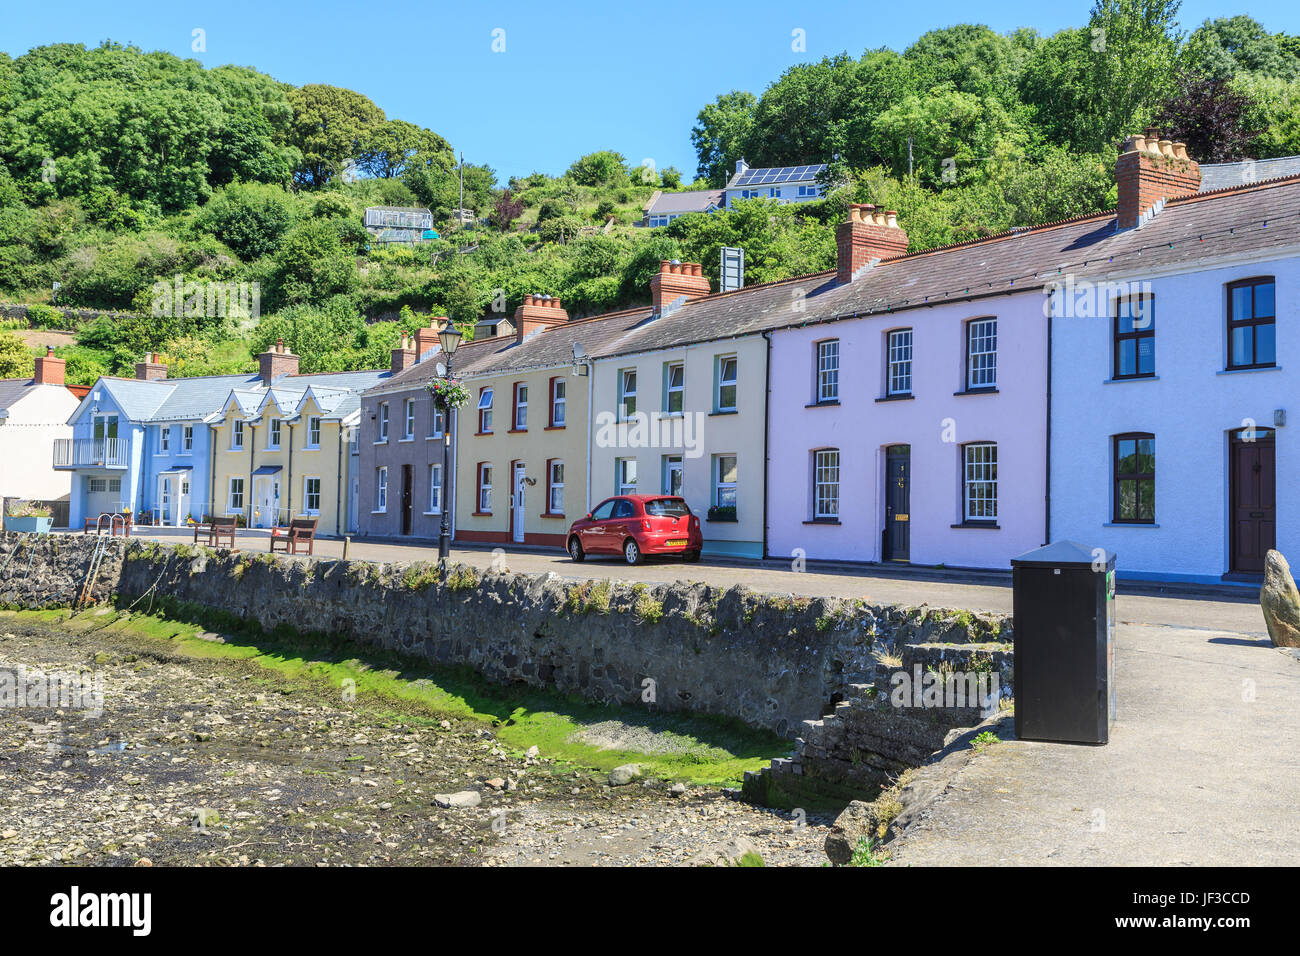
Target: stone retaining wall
770	661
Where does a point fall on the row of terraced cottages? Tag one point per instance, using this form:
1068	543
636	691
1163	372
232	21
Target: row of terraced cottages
1120	379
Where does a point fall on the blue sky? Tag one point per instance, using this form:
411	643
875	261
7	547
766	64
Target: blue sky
574	77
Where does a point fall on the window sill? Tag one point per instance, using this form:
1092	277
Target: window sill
517	431
483	434
382	512
382	441
551	514
987	390
1249	368
902	397
979	525
480	514
431	514
433	437
823	521
311	447
822	404
554	428
725	411
721	520
1130	524
1131	378
403	441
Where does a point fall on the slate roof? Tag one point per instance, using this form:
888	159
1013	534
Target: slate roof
694	200
1224	175
13	389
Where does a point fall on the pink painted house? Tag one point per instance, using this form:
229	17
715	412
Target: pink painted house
908	414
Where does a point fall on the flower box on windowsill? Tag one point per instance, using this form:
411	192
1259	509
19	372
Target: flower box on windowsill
722	513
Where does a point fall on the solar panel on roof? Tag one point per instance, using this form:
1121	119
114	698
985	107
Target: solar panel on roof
779	174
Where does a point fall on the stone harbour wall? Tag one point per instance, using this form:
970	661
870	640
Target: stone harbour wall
771	661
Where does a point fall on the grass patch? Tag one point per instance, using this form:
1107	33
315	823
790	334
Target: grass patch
707	749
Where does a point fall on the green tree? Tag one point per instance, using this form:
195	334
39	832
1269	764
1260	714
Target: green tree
16	359
720	133
250	218
1225	47
330	127
602	168
311	265
396	145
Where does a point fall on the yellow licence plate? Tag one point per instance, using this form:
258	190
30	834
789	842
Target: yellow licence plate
676	542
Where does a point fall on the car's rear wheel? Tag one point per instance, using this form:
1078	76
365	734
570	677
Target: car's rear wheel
575	549
691	557
631	551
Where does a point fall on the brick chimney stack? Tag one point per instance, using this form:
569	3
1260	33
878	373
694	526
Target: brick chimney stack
1150	170
50	370
538	312
426	339
868	234
151	369
676	279
405	355
276	361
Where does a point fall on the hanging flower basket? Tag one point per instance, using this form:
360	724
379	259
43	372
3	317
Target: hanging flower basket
449	394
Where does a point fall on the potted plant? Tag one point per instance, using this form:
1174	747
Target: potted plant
32	518
722	513
449	393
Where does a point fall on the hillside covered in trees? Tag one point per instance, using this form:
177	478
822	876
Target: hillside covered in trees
120	168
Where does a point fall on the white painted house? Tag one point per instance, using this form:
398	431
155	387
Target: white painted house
782	183
34	413
1175	371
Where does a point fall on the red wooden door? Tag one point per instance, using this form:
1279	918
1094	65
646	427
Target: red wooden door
1254	502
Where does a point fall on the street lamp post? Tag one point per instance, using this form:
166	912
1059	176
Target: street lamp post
448	338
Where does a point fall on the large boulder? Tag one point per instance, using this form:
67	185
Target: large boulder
859	821
1280	601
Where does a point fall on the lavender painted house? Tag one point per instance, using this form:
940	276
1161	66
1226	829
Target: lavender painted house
908	410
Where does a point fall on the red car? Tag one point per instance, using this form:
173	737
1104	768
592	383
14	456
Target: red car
637	525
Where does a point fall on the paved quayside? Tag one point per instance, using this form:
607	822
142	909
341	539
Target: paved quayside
1202	768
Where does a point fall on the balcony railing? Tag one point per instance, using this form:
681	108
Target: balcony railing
91	452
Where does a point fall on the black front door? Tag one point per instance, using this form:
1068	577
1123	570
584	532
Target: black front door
898	494
1254	499
407	491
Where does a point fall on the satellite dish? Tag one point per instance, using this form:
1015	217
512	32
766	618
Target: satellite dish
440	369
578	352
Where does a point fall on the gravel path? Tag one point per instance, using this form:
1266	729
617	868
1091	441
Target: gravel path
222	762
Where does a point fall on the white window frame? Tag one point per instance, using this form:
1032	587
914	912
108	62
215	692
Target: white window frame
187	439
435	489
720	486
898	362
673	463
521	407
313	432
383	424
982	365
237	435
828	371
437	424
979	482
724	382
485	410
555	489
381	489
306	494
231	507
165	440
621	485
559	402
626	376
826	484
485	488
274	426
408	420
679	389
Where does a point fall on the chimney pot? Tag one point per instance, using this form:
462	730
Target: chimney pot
50	370
1144	181
276	361
869	233
678	280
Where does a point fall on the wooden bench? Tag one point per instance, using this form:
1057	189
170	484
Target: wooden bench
300	534
110	524
219	528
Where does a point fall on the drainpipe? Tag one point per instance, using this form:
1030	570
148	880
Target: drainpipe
212	470
338	486
591	397
1047	486
289	489
252	458
767	429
